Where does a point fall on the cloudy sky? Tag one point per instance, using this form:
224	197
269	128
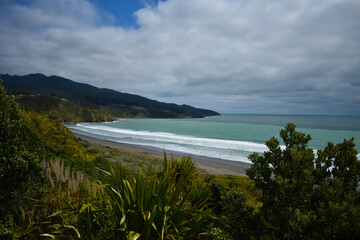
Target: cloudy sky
233	56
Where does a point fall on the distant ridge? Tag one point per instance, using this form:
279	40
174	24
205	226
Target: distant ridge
93	98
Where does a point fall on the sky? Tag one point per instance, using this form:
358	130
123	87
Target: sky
231	56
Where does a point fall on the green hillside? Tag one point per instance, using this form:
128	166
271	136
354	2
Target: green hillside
69	101
64	110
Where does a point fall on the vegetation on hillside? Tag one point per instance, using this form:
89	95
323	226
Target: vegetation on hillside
64	110
57	139
88	103
87	191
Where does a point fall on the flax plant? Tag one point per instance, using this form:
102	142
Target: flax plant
157	205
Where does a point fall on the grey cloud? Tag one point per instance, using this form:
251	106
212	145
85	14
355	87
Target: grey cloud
233	56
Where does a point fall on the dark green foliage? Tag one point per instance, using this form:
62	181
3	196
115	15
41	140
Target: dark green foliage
21	175
120	104
20	169
39	103
236	218
158	205
308	197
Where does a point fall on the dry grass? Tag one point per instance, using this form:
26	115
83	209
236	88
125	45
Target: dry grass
61	179
129	160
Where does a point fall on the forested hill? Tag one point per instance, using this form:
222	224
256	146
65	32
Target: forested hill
39	88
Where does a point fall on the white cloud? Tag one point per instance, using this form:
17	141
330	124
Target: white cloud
231	55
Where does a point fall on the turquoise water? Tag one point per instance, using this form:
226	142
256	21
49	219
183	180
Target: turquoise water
229	137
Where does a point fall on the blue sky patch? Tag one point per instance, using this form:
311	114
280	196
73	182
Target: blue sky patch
123	10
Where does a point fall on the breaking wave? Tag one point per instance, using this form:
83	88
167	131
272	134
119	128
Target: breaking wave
216	148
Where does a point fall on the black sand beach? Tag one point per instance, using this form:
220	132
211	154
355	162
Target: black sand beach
211	165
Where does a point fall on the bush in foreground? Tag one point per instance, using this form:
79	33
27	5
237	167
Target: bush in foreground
20	152
307	196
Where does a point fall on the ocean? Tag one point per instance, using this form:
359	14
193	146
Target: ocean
229	137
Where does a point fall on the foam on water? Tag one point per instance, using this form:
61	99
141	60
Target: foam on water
169	137
216	148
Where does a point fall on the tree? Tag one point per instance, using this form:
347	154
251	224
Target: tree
307	196
20	166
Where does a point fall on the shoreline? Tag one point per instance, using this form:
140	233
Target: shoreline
210	165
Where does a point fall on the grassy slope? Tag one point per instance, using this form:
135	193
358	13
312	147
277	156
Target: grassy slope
57	139
63	110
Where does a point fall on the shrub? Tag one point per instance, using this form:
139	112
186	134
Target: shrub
307	196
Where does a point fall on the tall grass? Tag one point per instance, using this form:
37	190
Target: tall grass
74	183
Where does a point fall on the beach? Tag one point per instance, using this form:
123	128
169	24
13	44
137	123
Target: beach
210	165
